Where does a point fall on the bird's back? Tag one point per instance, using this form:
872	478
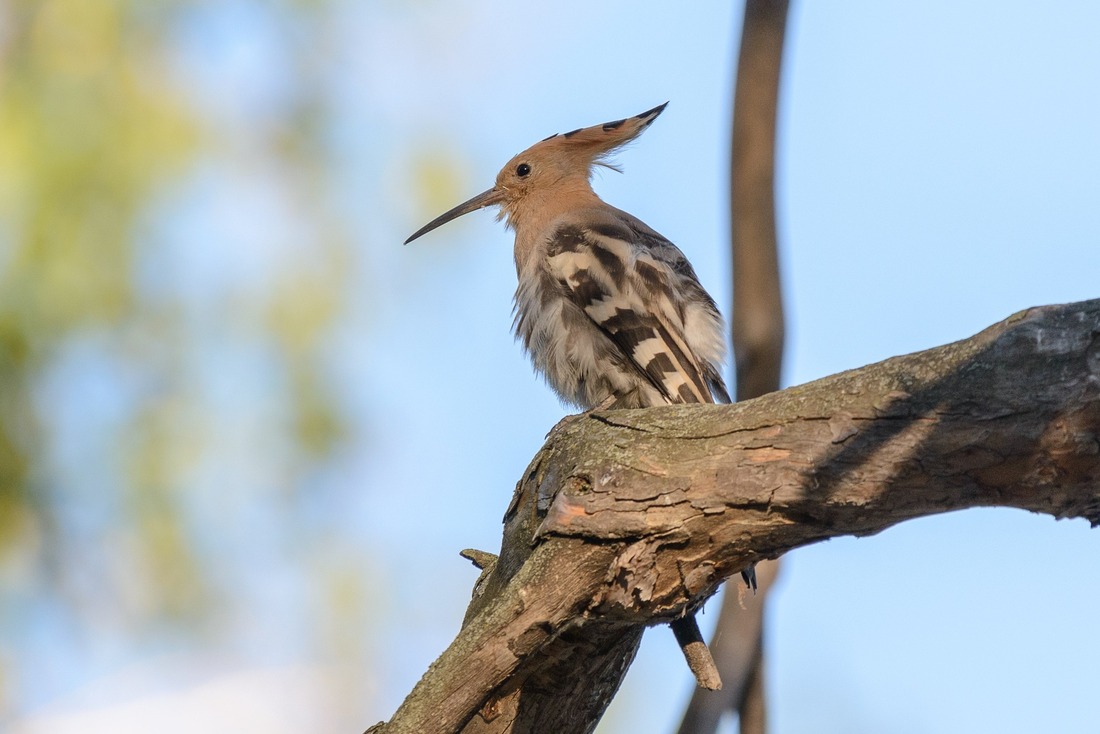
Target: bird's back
612	313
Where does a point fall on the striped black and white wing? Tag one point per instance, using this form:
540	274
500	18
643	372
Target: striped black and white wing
640	292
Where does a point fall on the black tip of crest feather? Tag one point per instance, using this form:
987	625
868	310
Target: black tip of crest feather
653	112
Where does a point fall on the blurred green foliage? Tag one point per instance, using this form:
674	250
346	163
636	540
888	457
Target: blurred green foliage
83	138
95	126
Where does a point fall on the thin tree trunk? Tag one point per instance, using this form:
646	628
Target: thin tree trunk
757	301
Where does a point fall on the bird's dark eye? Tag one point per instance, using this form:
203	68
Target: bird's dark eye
523	169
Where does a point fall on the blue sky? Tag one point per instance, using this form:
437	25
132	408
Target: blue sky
939	170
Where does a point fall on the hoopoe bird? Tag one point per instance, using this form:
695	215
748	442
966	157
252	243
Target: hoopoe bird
610	312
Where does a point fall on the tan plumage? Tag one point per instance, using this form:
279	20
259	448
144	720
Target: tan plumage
610	312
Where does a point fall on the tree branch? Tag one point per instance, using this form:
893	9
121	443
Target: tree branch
629	518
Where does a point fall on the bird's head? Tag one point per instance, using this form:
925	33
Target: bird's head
559	162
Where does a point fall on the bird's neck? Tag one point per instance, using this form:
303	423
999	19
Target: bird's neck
535	216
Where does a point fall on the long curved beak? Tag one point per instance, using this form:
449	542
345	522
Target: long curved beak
482	200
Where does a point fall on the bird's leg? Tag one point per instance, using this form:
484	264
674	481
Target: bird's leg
605	403
696	652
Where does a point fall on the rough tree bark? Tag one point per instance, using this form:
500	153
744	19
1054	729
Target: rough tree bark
630	518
